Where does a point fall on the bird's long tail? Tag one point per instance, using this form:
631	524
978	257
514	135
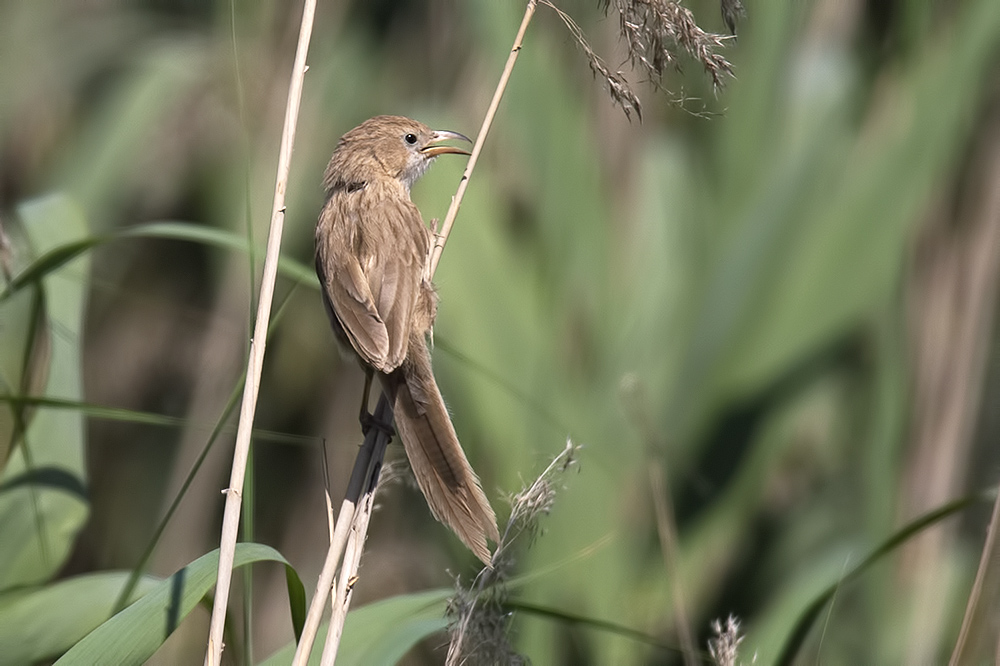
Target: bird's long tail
443	473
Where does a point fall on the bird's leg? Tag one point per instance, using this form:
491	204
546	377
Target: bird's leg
365	416
368	419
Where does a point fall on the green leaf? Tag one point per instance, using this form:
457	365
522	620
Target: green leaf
43	623
588	622
134	634
55	257
123	415
381	632
42	490
23	363
290	268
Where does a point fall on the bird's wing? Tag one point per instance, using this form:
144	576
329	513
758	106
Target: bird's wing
395	282
347	294
372	298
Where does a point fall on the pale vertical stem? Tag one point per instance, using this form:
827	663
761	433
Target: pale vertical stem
449	220
231	519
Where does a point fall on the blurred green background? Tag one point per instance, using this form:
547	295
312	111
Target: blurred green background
780	294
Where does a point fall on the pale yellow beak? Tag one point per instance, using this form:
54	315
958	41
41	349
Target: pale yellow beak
432	149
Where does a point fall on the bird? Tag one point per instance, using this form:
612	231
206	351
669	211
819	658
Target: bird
372	247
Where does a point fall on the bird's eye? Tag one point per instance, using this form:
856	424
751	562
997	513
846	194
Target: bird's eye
410	139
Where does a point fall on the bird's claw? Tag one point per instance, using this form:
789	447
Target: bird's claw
368	421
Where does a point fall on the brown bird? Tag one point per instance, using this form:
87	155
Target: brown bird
371	249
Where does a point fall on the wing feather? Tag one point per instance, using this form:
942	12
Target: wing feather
400	272
374	275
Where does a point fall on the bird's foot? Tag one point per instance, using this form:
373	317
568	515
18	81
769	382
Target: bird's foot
368	421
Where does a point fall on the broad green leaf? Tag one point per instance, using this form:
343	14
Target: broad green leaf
134	634
43	500
43	623
381	633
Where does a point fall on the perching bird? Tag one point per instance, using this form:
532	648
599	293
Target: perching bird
371	249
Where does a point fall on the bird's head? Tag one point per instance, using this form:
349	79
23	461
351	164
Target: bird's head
387	147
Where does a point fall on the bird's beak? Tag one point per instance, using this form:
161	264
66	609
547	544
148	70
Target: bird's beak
432	149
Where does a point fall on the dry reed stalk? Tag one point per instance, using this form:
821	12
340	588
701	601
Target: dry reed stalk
255	363
362	483
348	572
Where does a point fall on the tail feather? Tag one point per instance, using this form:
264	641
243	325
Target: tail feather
452	489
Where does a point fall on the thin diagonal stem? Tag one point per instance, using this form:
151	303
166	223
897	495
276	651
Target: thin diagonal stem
231	519
449	219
